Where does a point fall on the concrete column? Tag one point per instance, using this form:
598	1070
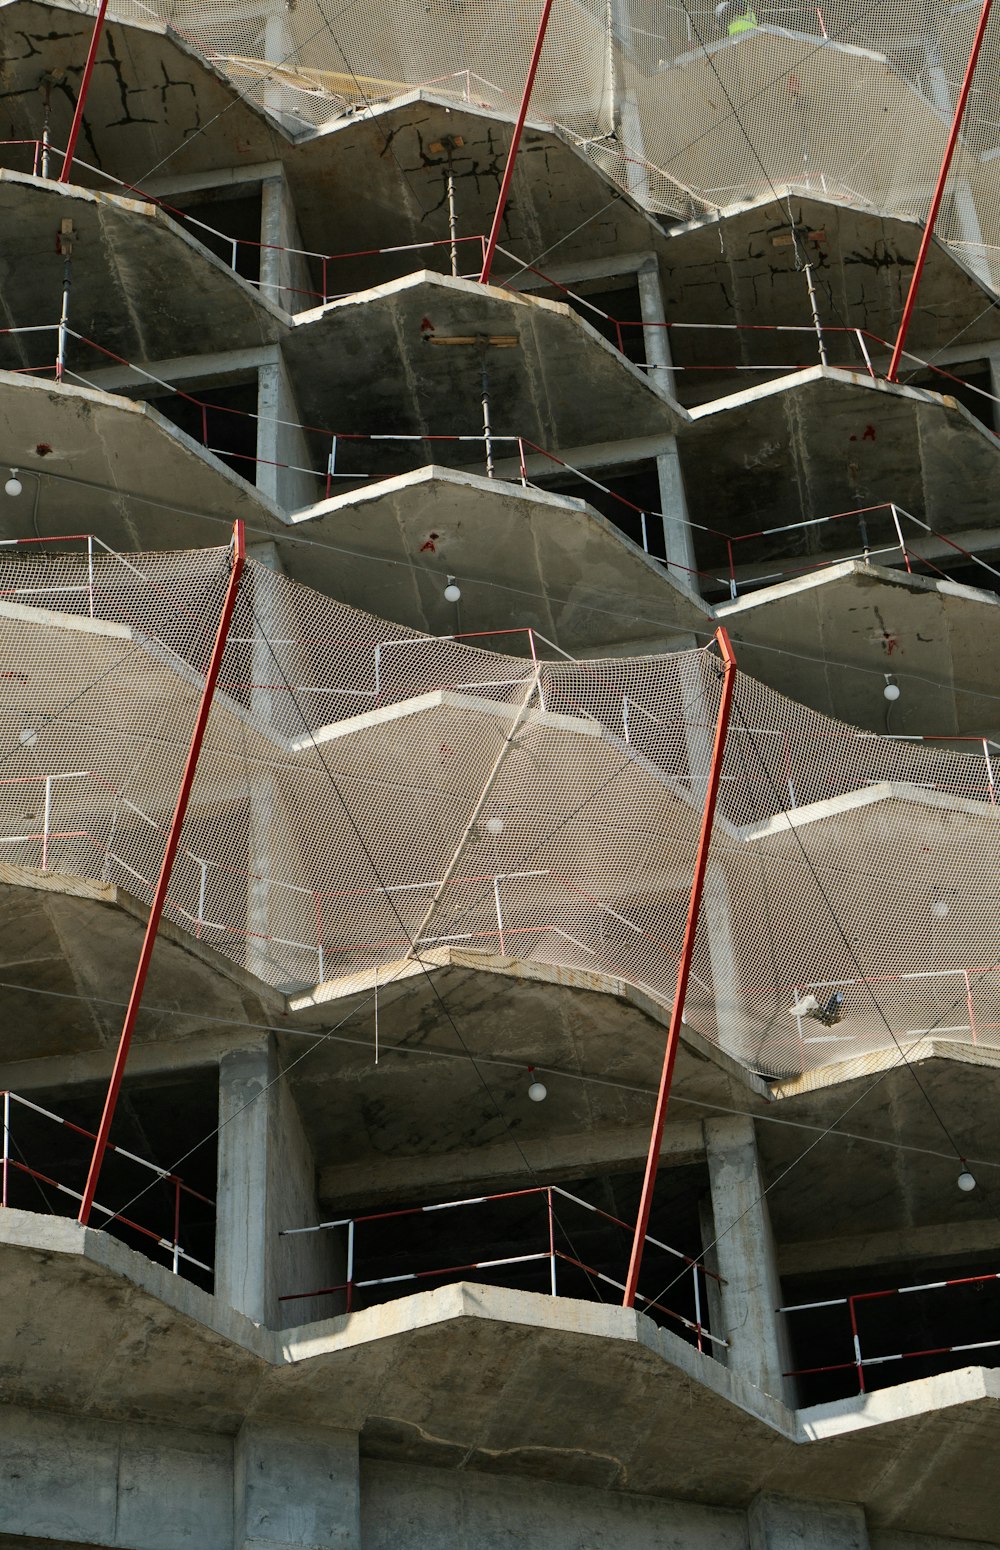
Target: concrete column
746	1259
677	537
296	1488
994	359
266	1182
782	1523
284	454
284	273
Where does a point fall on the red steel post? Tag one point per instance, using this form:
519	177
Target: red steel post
508	171
932	214
684	967
169	854
81	101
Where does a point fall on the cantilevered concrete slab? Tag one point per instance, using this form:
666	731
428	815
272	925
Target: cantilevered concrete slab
148	99
142	285
565	1381
522	556
745	267
558	196
382	361
824	441
92	461
827	639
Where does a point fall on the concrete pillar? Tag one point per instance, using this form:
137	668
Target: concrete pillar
745	1255
284	455
266	1182
296	1488
677	537
994	360
782	1523
284	272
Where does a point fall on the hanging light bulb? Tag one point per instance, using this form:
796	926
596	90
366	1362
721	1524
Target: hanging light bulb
13	485
537	1092
28	738
493	825
892	690
940	908
451	591
966	1180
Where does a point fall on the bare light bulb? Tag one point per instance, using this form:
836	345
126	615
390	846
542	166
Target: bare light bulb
493	825
29	737
537	1092
13	485
966	1181
451	591
891	690
940	908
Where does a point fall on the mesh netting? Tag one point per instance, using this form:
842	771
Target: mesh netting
366	793
688	108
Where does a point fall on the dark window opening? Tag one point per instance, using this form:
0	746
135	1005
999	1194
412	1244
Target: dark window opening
962	383
157	1120
216	219
223	419
631	495
901	1338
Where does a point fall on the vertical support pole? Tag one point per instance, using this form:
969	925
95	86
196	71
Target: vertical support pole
177	1225
968	1002
683	968
6	1142
508	171
857	1345
350	1265
487	427
64	316
452	215
552	1242
499	910
81	101
902	542
697	1305
46	822
989	770
814	309
90	575
169	854
46	131
932	214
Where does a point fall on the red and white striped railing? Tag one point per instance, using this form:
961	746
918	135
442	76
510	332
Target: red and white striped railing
12	1166
551	1253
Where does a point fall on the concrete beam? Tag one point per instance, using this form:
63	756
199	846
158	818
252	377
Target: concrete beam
564	1157
944	1240
296	1488
781	1523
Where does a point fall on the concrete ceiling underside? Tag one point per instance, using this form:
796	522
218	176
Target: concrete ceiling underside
523	557
116	468
823	442
829	639
142	285
744	267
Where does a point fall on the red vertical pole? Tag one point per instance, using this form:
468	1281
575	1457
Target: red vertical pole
932	214
508	171
169	854
81	101
683	968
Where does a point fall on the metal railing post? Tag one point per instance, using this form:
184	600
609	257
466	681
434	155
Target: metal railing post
899	534
6	1141
684	967
166	868
552	1243
46	822
350	1264
177	1226
857	1345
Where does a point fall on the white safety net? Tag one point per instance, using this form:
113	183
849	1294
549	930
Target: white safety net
690	107
368	796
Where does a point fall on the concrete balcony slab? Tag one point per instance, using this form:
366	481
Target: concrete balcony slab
522	556
393	359
143	286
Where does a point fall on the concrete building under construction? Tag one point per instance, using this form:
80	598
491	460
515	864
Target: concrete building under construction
498	816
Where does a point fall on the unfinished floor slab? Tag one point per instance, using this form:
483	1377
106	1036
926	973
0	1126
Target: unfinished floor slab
825	441
521	556
407	358
142	285
97	462
163	1352
864	621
